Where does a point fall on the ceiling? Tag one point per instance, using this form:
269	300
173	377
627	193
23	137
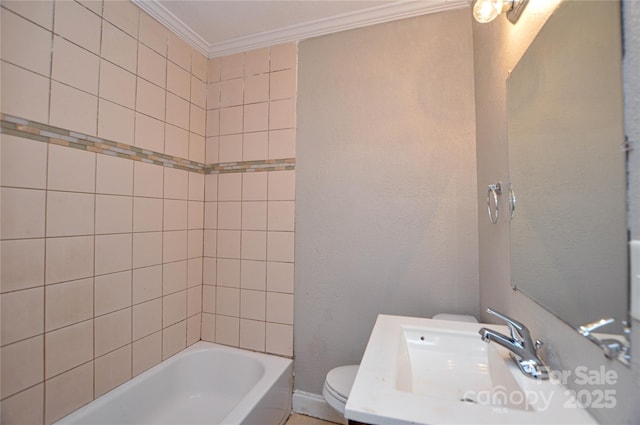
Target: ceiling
221	27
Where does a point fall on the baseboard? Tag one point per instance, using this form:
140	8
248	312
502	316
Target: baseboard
315	405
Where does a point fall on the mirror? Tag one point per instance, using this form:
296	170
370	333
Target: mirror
569	241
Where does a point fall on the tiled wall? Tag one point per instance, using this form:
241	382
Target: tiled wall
101	255
249	216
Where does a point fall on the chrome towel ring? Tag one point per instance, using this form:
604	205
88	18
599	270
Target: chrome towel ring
493	190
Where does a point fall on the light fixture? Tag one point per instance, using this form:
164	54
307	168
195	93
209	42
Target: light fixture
487	10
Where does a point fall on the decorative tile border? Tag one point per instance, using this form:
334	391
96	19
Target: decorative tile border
48	134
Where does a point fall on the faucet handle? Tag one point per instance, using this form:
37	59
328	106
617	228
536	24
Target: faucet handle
519	332
590	327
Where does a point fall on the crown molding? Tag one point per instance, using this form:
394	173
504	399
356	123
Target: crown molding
375	15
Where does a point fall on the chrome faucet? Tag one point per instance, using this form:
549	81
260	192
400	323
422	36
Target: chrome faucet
522	348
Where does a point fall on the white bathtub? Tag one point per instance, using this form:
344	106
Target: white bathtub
204	384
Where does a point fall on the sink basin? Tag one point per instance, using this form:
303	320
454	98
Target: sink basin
425	371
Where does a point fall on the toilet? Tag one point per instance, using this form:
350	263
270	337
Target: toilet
338	383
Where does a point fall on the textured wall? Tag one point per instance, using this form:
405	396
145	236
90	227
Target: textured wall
385	184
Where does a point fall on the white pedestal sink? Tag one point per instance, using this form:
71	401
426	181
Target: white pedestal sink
424	371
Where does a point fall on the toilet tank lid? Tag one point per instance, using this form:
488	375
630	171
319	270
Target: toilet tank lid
341	379
455	317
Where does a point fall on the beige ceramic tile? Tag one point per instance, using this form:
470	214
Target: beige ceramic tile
194	300
213	69
147	353
252	335
68	347
253	275
174	215
22	365
122	14
279	339
176	183
114	175
282	185
113	331
280	277
232	66
22	213
256	61
24	93
284	56
74	65
68	391
77	24
150	99
147	215
174	308
231	92
22	264
208	331
152	66
282	114
228	272
230	187
194	329
178	80
68	303
26	407
281	215
254	186
69	214
230	148
147	180
153	34
211	150
174	339
256	88
282	85
210	243
177	111
147	318
179	51
113	253
71	169
208	299
112	370
228	301
213	123
174	246
296	419
229	215
112	292
147	284
280	246
117	85
254	245
254	215
282	144
280	308
211	187
211	215
113	214
196	186
40	12
252	304
68	258
116	122
198	65
194	271
198	93
149	133
255	146
73	109
230	120
227	330
174	277
118	46
228	244
213	96
197	120
23	162
196	147
195	215
256	117
94	5
147	249
176	141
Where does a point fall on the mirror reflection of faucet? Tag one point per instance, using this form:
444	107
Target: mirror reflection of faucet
614	346
523	350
